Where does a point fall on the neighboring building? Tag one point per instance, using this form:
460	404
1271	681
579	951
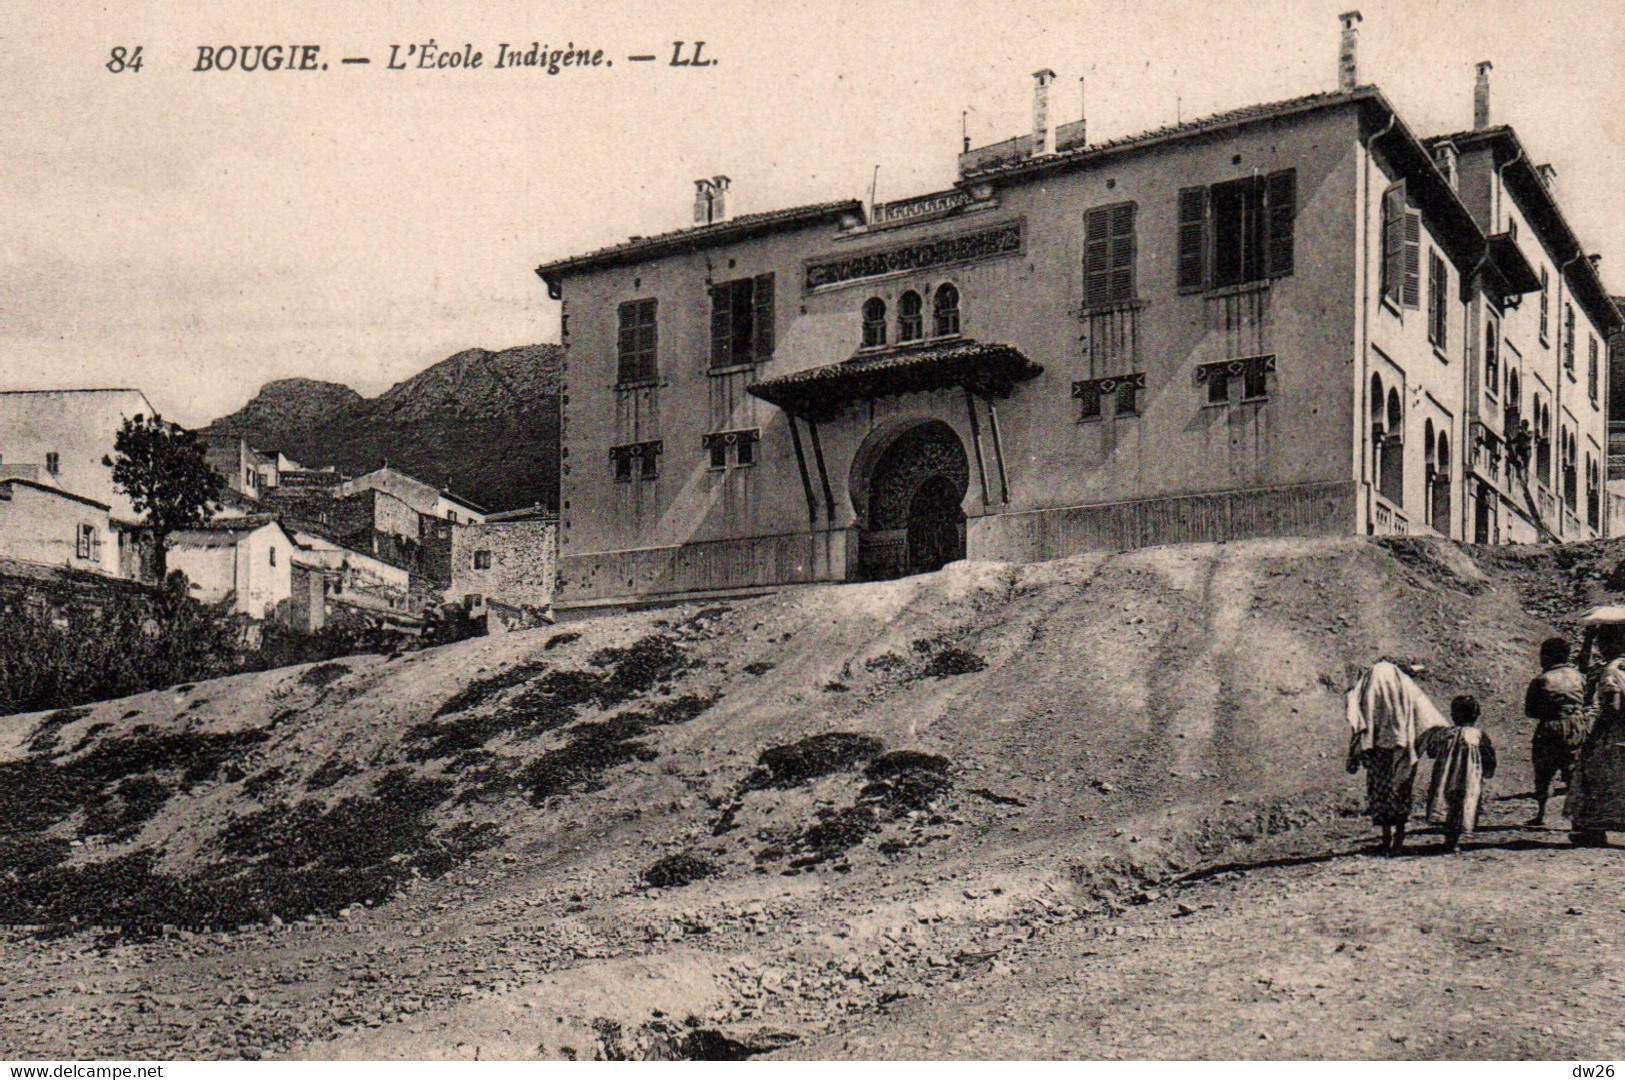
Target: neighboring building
1294	318
245	560
66	434
43	524
425	498
505	568
350	573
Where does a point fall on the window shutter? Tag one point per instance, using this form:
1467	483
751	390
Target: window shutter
721	326
1412	296
1097	257
1280	207
1122	253
1393	241
764	317
1192	239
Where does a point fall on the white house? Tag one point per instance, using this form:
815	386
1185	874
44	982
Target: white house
246	560
66	434
43	524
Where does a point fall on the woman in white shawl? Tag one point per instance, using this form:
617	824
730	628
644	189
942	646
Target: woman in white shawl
1387	714
1596	799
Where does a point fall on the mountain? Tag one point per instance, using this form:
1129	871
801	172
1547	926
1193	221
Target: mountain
484	424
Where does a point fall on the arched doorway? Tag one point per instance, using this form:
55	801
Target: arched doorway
912	481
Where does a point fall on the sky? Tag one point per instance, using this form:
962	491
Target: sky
196	234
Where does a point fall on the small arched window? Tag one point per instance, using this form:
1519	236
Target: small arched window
1396	415
874	322
1443	455
945	309
1376	405
1427	442
910	317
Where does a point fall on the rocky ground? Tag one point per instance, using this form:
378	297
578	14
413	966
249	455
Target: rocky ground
1087	809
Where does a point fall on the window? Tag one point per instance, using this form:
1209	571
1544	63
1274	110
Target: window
1401	249
472	600
1438	301
53	462
874	322
1492	355
1250	372
1568	338
1237	232
1123	390
734	448
451	516
248	478
910	317
945	311
1591	372
1568	445
272	553
87	542
1545	303
638	342
636	461
742	321
1593	492
482	560
1108	255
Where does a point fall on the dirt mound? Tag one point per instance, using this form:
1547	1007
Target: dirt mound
1014	746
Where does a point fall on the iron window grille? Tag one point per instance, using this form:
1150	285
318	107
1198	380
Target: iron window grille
731	448
1124	390
636	461
1251	372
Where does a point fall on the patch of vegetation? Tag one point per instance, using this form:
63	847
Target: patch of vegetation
553	701
561	639
680	869
886	661
49	732
322	674
331	772
595	748
836	687
899	782
758	667
259	783
479	691
802	762
952	661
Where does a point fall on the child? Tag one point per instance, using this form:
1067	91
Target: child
1464	759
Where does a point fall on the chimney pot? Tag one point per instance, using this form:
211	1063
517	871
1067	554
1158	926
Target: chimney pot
1548	173
1348	68
1043	135
1481	96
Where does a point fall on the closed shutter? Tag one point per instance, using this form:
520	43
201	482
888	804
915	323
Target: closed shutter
722	321
1412	297
763	302
1192	239
1122	253
1280	207
1097	257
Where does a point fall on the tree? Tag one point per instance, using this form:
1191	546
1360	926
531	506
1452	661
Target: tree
164	470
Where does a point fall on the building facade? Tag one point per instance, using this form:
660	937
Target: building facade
505	568
1289	319
46	525
66	434
244	560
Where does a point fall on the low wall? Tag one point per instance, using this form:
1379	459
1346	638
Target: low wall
1036	535
790	559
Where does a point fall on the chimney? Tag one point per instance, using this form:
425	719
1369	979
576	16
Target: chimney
1043	135
1481	97
711	200
1348	67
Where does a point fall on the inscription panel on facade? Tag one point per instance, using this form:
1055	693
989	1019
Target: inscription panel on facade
1000	240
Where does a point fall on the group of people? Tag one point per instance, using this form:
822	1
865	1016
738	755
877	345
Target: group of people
1579	715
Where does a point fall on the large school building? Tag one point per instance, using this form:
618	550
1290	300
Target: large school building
1291	319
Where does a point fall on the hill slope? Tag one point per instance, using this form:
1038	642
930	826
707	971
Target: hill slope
483	423
835	821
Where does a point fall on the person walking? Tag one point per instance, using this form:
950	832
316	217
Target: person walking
1596	799
1387	712
1555	700
1464	757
